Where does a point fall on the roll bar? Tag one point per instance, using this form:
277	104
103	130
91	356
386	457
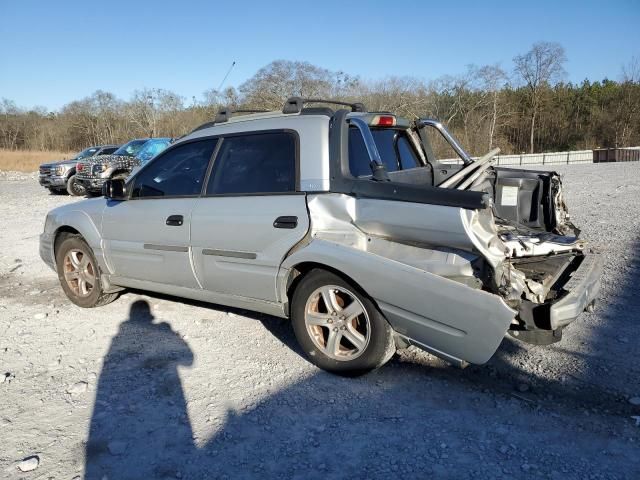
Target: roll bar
423	122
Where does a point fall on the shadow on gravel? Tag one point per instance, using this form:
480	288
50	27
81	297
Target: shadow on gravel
139	427
416	417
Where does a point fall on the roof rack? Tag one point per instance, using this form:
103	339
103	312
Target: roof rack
224	114
295	104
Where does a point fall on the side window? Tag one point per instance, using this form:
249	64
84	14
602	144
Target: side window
108	150
177	172
255	163
408	158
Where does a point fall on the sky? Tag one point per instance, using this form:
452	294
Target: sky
54	52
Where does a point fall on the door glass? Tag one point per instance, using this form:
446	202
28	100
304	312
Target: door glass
178	172
408	157
258	163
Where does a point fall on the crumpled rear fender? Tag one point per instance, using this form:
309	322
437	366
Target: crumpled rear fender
440	315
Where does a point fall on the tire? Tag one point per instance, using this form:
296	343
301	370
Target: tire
79	274
74	188
350	344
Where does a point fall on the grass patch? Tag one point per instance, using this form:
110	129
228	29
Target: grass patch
29	160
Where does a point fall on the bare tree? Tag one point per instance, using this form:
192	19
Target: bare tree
538	68
493	79
277	81
481	107
631	71
11	126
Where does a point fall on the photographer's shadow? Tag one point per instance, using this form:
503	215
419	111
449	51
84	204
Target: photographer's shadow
140	427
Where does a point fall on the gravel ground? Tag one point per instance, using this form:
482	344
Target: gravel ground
156	387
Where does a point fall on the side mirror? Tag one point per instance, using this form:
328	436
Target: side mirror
114	189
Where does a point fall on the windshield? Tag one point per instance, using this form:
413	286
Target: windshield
152	148
86	153
130	149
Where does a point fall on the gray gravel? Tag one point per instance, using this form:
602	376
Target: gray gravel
155	387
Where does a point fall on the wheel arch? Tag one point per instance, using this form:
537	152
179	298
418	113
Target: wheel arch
120	171
300	270
78	222
61	234
320	255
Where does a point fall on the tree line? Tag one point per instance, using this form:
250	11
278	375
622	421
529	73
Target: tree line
528	108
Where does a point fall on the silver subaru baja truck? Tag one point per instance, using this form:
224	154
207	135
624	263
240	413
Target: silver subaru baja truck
345	222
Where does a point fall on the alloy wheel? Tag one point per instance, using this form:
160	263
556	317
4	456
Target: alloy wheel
337	322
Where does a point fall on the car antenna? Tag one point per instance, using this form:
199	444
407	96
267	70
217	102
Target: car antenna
233	64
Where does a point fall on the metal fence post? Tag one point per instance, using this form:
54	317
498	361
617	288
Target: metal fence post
520	159
543	158
568	153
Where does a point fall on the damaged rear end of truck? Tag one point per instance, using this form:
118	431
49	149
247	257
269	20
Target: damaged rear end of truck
542	267
455	255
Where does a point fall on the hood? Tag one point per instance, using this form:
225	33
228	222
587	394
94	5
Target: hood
109	159
97	159
73	161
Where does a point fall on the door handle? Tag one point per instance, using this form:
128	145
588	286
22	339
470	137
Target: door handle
175	220
285	222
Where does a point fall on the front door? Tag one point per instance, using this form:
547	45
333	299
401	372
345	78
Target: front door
149	240
251	215
147	237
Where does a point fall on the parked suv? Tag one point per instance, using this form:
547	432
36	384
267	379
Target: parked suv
345	222
60	177
93	172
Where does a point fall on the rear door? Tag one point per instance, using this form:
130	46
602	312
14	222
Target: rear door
251	214
147	236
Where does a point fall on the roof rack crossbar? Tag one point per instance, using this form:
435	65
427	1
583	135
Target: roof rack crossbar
295	104
224	114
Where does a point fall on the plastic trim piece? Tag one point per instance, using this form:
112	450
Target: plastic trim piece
165	248
229	253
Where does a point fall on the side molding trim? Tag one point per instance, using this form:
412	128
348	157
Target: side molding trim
165	248
229	253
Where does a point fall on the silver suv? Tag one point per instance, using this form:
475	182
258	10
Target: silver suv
356	225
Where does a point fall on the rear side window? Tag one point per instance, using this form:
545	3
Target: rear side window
406	153
178	172
393	145
255	163
109	150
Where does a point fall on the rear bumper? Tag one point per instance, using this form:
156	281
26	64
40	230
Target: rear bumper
582	289
52	181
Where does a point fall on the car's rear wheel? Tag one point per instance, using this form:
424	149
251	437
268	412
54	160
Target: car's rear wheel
79	274
75	188
57	191
340	328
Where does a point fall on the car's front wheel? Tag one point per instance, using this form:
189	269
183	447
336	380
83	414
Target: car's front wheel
74	187
340	329
79	274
